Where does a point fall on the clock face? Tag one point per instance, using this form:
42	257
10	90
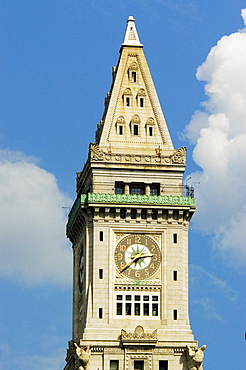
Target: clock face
137	256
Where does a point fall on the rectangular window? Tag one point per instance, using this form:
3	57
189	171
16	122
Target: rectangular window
146	309
154	309
119	308
175	314
137	298
135	130
138	365
120	130
134	76
155	189
128	309
122	213
101	236
144	214
133	213
137	309
119	297
155	298
100	313
114	364
150	131
127	101
100	273
146	298
163	365
175	275
128	297
141	100
175	238
137	189
119	188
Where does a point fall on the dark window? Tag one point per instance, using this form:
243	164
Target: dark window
100	313
150	131
101	236
155	189
144	214
154	214
128	297
133	213
155	298
163	365
122	213
137	309
138	189
175	314
135	129
146	309
114	365
121	130
141	100
175	275
134	76
154	309
128	102
119	188
137	298
100	273
138	365
175	238
119	297
146	298
119	308
128	309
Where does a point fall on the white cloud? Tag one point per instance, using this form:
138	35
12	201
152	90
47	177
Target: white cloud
33	245
219	133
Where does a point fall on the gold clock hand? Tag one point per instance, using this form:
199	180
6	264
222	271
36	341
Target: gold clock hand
134	258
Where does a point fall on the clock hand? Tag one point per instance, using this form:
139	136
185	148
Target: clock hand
134	258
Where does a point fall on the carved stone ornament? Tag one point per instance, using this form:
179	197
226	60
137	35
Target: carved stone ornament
141	92
120	120
179	156
195	357
138	334
96	153
83	357
133	65
135	119
127	91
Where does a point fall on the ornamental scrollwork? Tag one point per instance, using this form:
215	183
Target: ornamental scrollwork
96	154
138	333
179	156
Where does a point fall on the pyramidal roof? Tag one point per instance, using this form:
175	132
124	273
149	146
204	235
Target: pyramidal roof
133	120
131	35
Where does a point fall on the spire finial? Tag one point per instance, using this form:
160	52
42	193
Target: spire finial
131	35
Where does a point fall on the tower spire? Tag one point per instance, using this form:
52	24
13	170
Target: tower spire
131	35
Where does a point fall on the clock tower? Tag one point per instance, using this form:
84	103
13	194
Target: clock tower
129	230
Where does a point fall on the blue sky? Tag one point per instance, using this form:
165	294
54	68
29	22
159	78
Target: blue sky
56	58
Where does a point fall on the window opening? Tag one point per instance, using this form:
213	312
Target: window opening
134	76
101	236
155	309
141	100
100	273
138	365
144	214
137	309
119	308
120	130
163	365
146	298
155	298
119	297
154	214
128	297
128	309
137	298
155	189
146	309
175	238
127	101
175	275
175	314
135	130
150	131
133	213
119	188
122	213
100	313
114	365
137	189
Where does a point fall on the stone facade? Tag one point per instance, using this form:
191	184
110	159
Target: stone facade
129	229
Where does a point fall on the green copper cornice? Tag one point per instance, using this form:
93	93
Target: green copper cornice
118	199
